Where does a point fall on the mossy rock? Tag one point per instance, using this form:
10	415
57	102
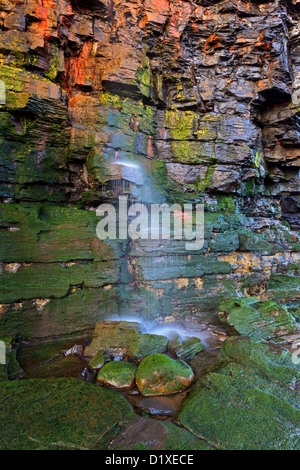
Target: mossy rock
184	347
263	320
249	402
60	414
117	374
98	360
159	374
127	336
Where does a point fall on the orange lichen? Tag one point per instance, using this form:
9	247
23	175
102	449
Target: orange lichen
150	149
213	41
43	12
81	69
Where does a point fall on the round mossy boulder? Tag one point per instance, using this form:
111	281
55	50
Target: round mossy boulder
117	374
159	374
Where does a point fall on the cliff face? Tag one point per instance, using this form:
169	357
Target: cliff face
204	96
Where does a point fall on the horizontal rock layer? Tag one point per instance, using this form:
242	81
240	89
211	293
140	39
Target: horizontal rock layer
204	97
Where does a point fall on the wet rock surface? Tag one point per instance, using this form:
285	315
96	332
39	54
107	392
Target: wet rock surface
162	406
98	360
203	97
148	434
237	390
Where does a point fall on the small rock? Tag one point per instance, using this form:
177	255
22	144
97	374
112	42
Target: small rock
116	374
184	347
117	354
76	350
98	361
88	375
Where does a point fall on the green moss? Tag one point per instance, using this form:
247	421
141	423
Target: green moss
181	124
127	336
117	374
98	360
248	187
204	183
263	320
185	347
156	435
252	241
143	78
60	414
56	64
227	204
225	242
158	374
248	403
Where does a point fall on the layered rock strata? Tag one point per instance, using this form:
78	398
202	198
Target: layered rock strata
204	97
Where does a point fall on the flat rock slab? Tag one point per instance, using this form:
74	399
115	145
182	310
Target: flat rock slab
149	434
263	320
60	414
126	336
162	406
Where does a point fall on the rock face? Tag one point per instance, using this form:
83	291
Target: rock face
158	374
204	96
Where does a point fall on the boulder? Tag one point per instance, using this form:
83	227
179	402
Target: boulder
116	374
159	374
